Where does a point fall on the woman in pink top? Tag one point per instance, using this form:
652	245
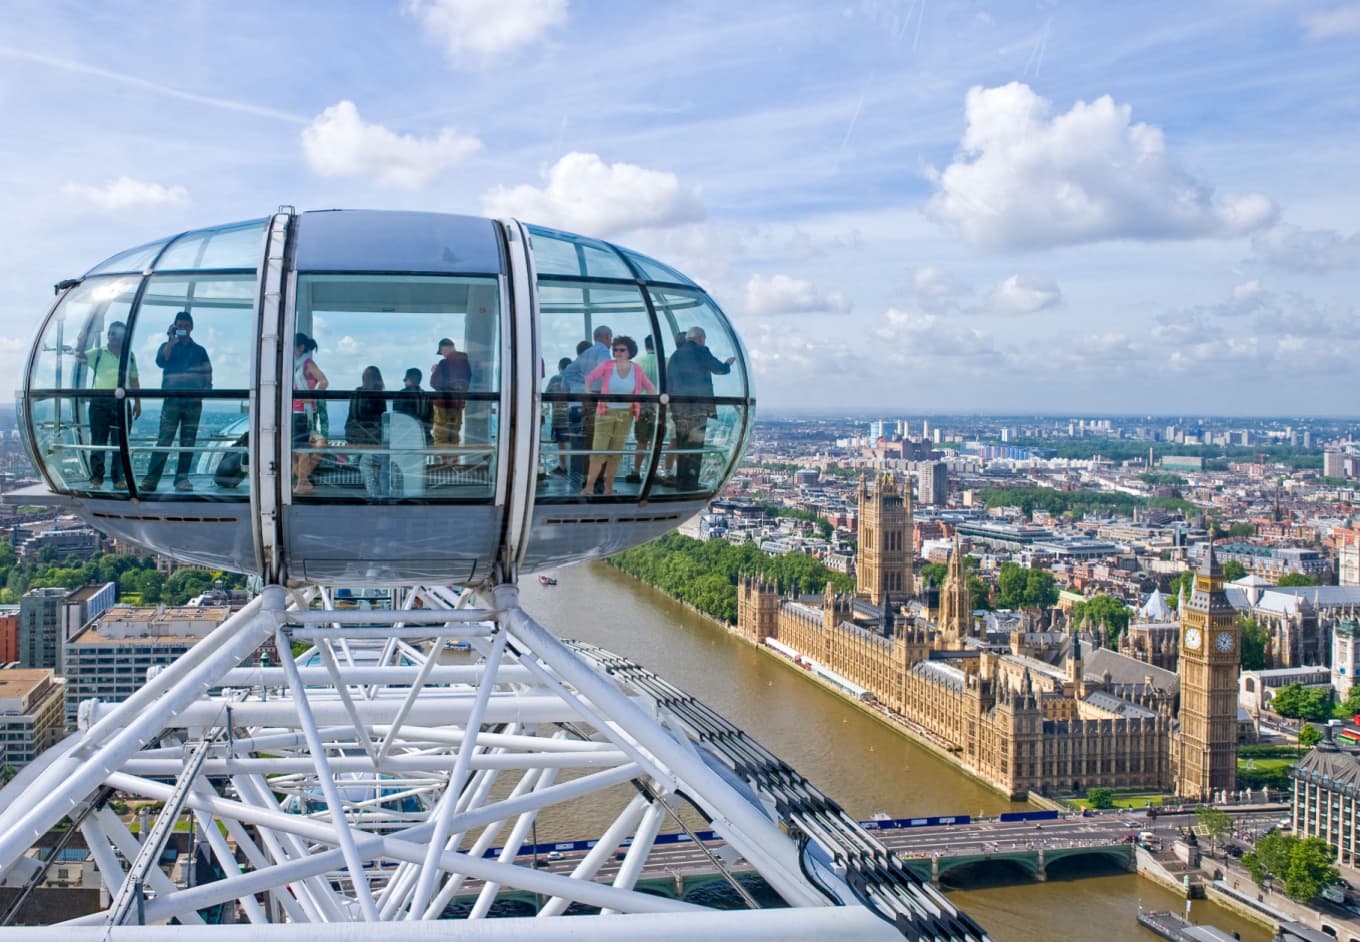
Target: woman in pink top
614	420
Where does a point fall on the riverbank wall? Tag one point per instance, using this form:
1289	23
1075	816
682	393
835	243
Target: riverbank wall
898	725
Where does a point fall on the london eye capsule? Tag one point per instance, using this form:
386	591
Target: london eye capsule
367	396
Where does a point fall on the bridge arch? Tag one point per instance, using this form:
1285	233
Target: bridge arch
980	868
1063	862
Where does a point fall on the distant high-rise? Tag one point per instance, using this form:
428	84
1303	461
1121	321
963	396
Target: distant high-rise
933	488
1333	464
40	618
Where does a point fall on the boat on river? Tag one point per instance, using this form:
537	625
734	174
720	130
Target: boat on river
547	580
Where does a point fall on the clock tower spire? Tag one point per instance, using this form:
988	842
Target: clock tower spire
1210	660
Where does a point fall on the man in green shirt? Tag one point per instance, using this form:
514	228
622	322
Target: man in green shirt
106	412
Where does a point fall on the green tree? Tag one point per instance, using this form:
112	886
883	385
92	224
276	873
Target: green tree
1300	702
1255	641
1296	578
187	583
1233	570
1185	580
1309	736
1100	798
1241	530
1302	865
1106	610
934	573
1350	706
1025	588
979	591
1217	824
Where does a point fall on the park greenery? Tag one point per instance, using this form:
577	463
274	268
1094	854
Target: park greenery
1214	455
704	573
1100	798
1302	865
1058	503
138	581
1309	736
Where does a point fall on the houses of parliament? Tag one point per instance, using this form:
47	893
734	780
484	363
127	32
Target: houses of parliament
1031	707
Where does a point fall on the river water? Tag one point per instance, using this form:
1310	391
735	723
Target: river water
847	753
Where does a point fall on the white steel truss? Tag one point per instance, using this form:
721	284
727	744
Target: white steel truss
391	766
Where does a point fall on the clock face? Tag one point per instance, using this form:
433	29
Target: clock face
1224	641
1192	639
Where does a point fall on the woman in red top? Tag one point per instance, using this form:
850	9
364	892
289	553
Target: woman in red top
614	420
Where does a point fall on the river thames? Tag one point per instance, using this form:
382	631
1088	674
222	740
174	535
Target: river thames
846	752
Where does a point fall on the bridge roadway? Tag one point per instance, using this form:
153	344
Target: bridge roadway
932	852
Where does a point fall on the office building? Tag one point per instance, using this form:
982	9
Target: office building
40	625
108	659
30	714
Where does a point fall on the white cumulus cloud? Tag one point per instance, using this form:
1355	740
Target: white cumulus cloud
480	29
1024	179
1021	294
127	193
339	144
584	193
784	294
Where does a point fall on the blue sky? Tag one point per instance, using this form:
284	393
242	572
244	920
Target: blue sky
903	206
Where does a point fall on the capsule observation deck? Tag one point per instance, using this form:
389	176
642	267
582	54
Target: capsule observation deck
174	398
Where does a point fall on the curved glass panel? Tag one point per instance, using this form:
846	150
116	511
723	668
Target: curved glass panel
76	342
652	270
382	408
712	367
605	318
132	260
185	446
701	444
239	245
221	324
77	439
561	253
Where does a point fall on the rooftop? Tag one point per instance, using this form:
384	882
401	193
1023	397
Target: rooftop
153	625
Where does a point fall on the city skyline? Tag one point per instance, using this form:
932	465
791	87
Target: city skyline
910	207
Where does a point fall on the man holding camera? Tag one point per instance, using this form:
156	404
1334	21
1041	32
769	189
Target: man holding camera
185	365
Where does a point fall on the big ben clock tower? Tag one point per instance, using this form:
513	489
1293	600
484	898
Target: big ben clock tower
1210	660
